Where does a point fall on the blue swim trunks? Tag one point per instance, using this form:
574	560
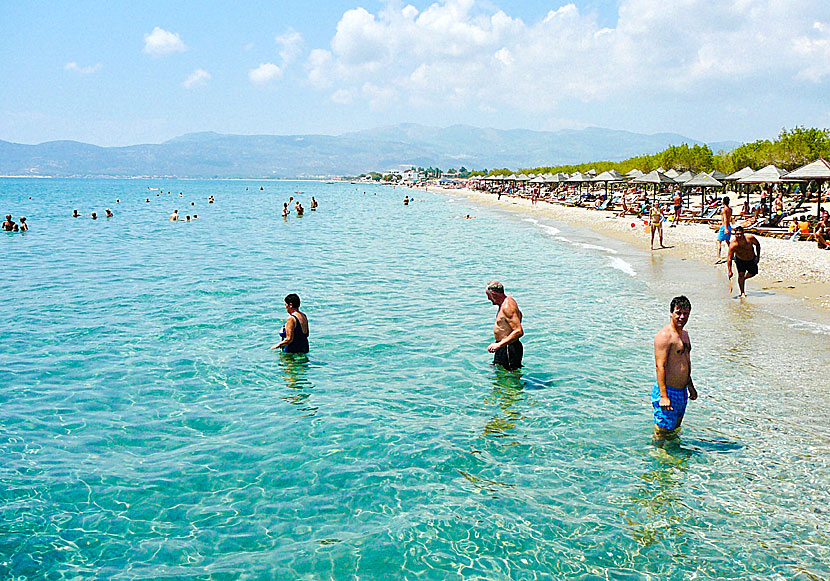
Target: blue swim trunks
668	419
725	233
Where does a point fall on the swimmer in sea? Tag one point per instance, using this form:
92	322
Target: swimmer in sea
674	385
300	209
9	224
23	225
285	210
406	200
108	213
295	331
94	216
313	204
745	250
507	349
75	214
174	216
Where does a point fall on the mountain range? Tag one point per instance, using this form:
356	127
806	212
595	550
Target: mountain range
213	155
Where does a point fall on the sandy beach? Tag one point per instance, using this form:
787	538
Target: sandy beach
799	269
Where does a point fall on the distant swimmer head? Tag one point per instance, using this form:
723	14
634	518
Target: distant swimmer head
292	301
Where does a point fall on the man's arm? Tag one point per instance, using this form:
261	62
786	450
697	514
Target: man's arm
511	313
661	355
757	244
690	384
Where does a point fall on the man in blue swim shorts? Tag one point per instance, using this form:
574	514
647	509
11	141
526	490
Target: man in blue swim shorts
674	386
725	232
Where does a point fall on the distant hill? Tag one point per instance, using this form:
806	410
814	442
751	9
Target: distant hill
213	155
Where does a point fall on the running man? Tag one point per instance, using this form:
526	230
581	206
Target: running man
507	349
725	232
745	250
672	358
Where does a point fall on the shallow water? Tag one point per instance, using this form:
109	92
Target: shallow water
147	430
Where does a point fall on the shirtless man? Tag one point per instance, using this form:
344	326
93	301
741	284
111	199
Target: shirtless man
745	250
725	232
174	217
507	348
9	224
678	207
672	358
821	232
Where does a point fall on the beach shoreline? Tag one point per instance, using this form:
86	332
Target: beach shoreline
798	269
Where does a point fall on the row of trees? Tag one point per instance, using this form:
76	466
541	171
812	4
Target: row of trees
793	148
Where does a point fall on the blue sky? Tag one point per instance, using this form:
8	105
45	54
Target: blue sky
120	73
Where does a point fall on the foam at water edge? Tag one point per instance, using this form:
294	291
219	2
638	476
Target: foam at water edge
622	265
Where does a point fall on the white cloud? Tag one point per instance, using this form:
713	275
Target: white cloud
456	51
197	78
291	45
265	73
76	68
161	42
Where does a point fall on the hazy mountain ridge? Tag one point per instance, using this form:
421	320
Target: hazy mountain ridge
209	154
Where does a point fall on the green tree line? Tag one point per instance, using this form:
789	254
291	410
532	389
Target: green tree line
793	148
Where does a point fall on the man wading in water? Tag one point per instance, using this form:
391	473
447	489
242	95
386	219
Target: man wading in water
507	348
673	359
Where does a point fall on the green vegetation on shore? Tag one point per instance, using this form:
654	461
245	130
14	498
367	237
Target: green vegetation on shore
790	150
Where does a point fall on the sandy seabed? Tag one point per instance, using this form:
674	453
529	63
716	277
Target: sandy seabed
799	269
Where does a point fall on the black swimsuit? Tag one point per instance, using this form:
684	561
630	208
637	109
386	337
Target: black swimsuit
509	356
299	344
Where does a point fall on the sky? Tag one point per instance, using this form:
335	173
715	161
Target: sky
121	73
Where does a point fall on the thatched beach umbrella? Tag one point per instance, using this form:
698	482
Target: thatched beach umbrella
702	181
818	170
655	177
734	177
766	175
672	173
609	176
634	173
684	177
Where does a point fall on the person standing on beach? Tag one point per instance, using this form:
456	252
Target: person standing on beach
821	232
656	223
745	250
674	385
507	349
678	206
725	232
295	331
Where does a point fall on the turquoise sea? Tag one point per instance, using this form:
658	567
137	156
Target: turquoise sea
148	432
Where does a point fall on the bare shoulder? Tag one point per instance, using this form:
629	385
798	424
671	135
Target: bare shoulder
663	337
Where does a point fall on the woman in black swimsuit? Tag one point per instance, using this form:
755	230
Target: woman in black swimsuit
295	331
